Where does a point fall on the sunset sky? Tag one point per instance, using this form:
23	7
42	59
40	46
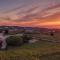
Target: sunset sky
30	13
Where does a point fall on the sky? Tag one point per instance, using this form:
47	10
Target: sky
30	13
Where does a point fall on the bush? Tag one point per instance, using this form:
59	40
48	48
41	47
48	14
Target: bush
26	38
14	41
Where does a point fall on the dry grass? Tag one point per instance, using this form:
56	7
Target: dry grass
44	49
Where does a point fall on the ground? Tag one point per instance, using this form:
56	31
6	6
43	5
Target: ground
47	48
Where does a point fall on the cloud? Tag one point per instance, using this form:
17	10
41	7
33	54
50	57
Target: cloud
33	16
42	13
31	13
5	18
52	7
50	10
35	13
14	9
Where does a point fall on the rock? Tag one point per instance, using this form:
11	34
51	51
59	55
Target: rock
33	41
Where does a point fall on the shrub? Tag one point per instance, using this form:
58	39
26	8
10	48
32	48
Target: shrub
26	38
52	34
14	41
6	32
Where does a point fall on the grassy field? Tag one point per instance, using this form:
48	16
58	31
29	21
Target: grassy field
44	49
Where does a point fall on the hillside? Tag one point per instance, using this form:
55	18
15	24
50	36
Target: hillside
46	48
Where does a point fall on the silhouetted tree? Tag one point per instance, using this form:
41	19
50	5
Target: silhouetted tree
5	32
52	34
0	44
26	37
0	31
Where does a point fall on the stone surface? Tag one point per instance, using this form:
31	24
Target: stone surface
33	41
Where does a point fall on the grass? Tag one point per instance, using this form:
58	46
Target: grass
41	50
31	54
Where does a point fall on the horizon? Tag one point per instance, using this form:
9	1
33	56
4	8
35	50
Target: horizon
26	26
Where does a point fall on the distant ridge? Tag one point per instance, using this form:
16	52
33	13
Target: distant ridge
31	28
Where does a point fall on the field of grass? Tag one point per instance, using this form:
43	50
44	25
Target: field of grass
41	50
